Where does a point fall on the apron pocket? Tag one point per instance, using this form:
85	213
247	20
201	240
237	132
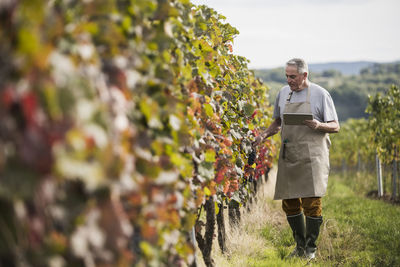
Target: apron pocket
299	152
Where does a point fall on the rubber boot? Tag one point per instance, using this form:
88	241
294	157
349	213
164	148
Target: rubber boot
296	222
312	231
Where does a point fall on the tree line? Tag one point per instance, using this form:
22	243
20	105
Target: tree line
349	92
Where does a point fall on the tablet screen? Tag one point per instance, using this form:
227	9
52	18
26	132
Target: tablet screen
296	118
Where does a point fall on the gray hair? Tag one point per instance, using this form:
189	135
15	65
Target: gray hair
299	63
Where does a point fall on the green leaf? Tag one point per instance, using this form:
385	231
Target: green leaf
248	109
209	110
147	249
126	23
28	42
52	102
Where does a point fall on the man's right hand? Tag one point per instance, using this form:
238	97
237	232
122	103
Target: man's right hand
259	140
274	128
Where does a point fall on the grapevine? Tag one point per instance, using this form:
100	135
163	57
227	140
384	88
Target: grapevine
120	120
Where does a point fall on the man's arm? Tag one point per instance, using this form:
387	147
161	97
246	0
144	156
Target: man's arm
273	129
325	127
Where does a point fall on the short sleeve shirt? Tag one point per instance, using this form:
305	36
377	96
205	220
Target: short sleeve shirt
322	106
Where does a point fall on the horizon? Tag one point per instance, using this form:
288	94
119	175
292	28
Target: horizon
334	62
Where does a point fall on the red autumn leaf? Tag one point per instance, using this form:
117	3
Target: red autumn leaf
149	232
226	186
90	142
227	142
220	176
234	185
7	97
29	106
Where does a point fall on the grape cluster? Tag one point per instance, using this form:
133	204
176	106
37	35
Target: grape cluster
252	157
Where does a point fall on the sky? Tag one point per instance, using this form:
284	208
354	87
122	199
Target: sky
320	31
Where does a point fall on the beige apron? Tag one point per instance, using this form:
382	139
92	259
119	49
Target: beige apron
303	165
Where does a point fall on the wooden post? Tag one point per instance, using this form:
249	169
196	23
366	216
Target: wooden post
234	213
344	167
379	175
193	240
205	243
221	229
398	184
394	176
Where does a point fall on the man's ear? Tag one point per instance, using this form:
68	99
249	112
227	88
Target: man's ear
305	74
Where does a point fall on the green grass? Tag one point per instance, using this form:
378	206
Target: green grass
356	231
359	182
373	226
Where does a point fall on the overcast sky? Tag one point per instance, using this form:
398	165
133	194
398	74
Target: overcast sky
271	32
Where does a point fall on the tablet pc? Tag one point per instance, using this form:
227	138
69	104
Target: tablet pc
296	118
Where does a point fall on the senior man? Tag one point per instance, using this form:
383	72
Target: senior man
303	165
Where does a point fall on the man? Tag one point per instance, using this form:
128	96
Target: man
303	165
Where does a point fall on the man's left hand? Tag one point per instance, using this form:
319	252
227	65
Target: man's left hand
313	124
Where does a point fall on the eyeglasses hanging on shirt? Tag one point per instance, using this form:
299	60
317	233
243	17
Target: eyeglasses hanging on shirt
289	96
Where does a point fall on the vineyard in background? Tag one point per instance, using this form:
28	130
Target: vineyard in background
124	125
368	145
367	104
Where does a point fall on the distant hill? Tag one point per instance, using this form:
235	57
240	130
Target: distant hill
349	83
346	68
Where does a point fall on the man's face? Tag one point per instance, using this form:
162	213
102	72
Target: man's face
294	79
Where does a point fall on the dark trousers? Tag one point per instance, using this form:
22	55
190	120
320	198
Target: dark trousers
312	206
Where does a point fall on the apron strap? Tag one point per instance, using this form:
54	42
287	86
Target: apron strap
308	93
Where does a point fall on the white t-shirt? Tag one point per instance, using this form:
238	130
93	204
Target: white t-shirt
322	106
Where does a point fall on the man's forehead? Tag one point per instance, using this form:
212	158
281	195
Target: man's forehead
291	69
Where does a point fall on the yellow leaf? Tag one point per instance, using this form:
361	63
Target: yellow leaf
209	110
147	249
207	191
210	156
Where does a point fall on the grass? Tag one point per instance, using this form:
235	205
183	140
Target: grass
372	226
356	231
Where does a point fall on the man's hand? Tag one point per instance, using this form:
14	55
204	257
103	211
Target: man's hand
313	124
325	127
274	128
259	140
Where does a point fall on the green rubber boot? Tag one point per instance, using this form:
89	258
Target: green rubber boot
297	224
312	231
